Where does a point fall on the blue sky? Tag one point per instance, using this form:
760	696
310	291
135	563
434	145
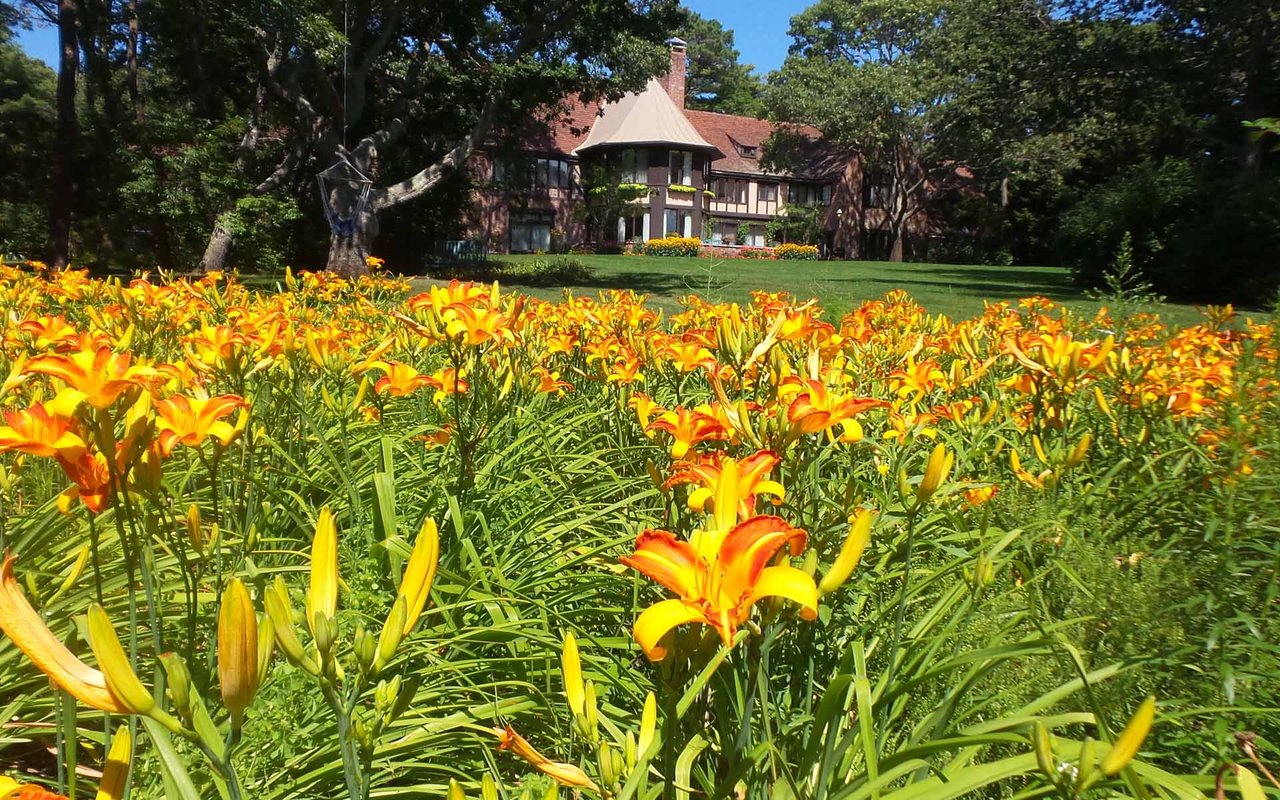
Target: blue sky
759	28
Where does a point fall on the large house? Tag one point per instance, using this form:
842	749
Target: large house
702	171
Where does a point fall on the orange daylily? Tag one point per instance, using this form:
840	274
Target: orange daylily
90	476
752	474
191	420
447	381
399	379
22	624
722	573
39	432
819	408
101	376
687	428
562	773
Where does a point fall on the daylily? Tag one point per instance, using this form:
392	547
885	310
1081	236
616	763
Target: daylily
562	773
23	625
191	420
91	478
819	409
687	428
101	376
722	573
42	430
398	379
752	474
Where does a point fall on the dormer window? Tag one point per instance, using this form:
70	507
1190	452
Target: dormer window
748	151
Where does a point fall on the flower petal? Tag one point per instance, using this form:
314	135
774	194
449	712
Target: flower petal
791	583
658	620
29	633
668	560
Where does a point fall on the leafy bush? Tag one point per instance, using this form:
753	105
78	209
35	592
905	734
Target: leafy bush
680	188
755	253
546	271
796	252
673	246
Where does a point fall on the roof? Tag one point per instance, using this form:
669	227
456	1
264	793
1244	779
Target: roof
562	128
649	117
731	133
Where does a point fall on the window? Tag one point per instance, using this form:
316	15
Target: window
682	167
531	232
729	190
633	225
808	193
536	174
879	192
768	193
748	151
635	166
679	223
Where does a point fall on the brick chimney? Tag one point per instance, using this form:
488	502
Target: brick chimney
673	81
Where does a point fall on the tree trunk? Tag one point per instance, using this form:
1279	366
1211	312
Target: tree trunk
898	252
348	250
131	57
68	130
215	252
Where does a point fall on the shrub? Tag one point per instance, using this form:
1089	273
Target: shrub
680	188
546	271
673	246
796	252
755	253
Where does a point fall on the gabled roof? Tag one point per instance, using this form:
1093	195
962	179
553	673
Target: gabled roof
647	118
730	132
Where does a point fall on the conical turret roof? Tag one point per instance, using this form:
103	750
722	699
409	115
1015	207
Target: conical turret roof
646	118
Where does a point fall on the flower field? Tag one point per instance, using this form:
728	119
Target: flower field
341	540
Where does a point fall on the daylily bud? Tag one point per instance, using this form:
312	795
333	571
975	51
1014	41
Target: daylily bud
115	771
455	790
591	713
571	670
488	788
935	472
654	475
237	650
904	488
392	633
179	684
194	534
810	564
322	597
648	724
1087	766
608	768
1078	452
365	648
1127	744
1042	743
122	681
850	552
266	648
419	574
629	751
276	602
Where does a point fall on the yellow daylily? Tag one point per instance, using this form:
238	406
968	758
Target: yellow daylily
571	669
850	552
415	585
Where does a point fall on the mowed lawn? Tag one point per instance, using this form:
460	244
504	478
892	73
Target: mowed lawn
955	290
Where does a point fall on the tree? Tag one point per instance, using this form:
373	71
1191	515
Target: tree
437	80
860	73
716	79
27	115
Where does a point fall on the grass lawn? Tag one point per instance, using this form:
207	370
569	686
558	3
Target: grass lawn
955	290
